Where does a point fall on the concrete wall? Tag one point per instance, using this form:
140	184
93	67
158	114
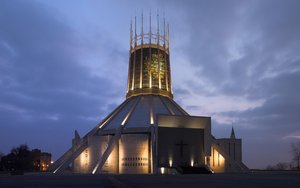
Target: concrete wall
232	147
82	162
134	154
88	159
227	156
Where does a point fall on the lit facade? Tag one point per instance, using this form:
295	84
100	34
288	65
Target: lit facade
149	133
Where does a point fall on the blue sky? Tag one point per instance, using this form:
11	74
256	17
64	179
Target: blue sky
63	66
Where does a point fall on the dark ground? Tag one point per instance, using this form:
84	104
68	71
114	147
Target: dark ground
249	180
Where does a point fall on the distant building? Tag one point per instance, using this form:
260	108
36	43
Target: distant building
41	160
25	160
149	133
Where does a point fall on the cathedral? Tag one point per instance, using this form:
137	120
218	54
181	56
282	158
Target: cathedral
149	133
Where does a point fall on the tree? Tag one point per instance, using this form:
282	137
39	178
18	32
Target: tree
278	166
1	165
296	154
21	159
281	166
18	159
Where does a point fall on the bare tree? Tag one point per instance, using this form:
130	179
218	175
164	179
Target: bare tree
1	163
282	166
278	166
296	153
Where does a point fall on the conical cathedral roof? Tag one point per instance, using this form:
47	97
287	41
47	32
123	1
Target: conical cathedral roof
141	112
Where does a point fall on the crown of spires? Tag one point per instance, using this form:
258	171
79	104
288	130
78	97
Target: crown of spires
160	37
149	60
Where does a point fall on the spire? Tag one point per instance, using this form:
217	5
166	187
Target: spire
130	33
76	137
142	30
164	32
232	136
157	28
135	35
150	32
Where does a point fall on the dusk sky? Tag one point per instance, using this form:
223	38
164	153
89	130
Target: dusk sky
63	67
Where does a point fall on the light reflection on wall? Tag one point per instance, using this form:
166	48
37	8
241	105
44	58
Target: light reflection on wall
192	163
84	161
151	117
170	162
133	158
112	161
217	161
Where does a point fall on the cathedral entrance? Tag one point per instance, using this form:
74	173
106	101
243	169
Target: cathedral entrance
182	141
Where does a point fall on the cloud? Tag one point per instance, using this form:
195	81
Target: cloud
45	85
243	49
294	135
242	67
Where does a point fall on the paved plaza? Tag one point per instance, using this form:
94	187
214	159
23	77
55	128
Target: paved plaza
249	180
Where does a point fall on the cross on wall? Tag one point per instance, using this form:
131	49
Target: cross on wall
181	145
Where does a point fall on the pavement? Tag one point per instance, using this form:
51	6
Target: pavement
249	180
